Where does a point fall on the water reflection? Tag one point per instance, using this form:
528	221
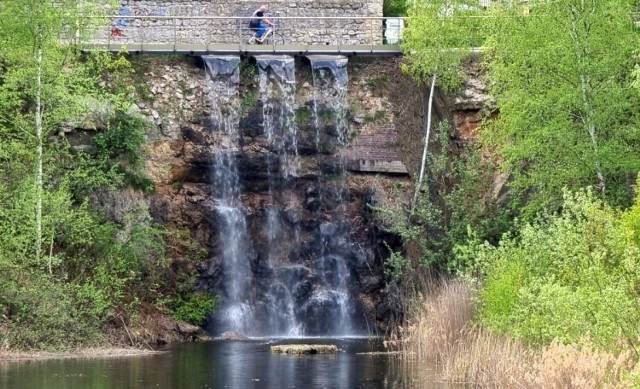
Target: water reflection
221	364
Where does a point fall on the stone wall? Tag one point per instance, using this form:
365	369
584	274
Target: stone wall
181	21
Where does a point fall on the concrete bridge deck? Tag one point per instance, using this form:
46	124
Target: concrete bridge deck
228	49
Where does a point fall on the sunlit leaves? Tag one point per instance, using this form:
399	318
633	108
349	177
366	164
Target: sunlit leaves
564	93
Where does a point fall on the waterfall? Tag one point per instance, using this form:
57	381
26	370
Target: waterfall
223	74
297	282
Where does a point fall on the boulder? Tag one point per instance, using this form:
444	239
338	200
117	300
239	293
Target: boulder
297	349
232	335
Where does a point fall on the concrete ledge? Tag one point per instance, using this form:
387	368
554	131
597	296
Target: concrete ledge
373	166
236	48
297	349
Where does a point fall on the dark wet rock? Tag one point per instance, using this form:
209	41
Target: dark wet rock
255	166
312	204
191	135
306	251
292	216
251	123
302	290
312	190
332	229
212	269
371	283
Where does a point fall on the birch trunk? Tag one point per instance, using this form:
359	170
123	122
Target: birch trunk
426	144
582	53
38	122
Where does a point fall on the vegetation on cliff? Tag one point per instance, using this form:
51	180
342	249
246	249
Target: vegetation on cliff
565	271
66	271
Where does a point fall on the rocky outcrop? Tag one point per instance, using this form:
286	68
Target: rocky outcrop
152	329
179	155
385	116
473	103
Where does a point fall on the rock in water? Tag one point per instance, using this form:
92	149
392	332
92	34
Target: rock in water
297	349
232	335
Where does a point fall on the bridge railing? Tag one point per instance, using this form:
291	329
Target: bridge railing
220	30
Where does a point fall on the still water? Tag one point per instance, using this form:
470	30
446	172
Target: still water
221	364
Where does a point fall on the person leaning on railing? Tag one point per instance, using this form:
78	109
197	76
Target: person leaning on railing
259	23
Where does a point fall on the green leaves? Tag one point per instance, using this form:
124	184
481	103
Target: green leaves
563	90
565	276
438	35
62	266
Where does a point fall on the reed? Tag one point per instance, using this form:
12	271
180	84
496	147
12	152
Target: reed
439	331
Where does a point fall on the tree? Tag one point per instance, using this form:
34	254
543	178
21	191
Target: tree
436	40
561	76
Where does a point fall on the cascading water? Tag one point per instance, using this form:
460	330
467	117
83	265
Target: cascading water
277	89
330	81
298	281
223	73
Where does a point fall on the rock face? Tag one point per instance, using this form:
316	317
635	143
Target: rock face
293	244
309	239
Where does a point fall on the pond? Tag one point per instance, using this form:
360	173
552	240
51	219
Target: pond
223	364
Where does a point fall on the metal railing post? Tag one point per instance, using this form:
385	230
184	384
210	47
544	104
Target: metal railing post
175	33
239	25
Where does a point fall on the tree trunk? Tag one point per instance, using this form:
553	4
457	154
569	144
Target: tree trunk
582	53
426	144
38	120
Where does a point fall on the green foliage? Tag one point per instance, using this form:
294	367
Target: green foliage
378	82
119	149
396	266
44	313
248	69
500	293
437	38
567	108
193	308
249	100
97	267
123	139
378	115
394	8
565	276
62	273
303	116
454	207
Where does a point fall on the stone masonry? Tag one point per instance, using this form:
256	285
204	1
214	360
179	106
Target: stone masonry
184	22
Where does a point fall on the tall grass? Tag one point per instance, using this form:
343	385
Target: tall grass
439	331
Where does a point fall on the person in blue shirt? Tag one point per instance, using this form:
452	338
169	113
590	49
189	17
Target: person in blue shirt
120	23
259	23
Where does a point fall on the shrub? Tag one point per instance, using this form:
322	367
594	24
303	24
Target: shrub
565	277
43	313
194	308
